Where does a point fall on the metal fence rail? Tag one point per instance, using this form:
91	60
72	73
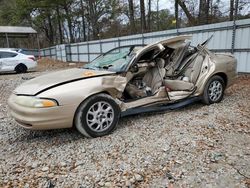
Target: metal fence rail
232	37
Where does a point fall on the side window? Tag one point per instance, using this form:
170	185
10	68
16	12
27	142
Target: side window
7	54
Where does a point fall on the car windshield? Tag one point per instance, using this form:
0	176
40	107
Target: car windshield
115	60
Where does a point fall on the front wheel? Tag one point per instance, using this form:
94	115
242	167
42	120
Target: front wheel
97	116
214	90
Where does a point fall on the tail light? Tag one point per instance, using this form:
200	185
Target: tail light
32	58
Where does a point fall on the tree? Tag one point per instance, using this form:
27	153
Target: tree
176	13
83	20
61	21
231	14
131	16
149	15
143	19
190	17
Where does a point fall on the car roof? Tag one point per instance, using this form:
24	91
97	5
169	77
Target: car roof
8	50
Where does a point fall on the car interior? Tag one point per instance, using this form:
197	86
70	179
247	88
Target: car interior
170	70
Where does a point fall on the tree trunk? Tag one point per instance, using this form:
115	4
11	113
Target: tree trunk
143	20
149	15
68	18
207	21
231	14
191	19
51	34
157	15
131	16
83	21
93	19
59	25
203	12
176	14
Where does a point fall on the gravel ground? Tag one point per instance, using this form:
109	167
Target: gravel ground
198	146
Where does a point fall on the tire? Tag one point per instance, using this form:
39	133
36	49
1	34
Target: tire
21	68
97	116
214	90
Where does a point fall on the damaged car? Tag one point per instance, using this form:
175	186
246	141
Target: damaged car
126	80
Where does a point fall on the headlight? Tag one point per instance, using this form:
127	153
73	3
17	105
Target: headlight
35	102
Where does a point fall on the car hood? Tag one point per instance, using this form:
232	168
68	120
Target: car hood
41	83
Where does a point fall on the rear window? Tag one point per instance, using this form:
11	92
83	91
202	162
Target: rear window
7	54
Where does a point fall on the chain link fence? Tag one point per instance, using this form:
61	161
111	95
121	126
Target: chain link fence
230	37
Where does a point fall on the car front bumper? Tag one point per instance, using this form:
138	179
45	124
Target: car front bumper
42	118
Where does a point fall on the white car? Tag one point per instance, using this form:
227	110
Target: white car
15	61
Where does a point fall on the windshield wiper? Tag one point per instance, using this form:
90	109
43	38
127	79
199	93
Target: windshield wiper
107	66
87	68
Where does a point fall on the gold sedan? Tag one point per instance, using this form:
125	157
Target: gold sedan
127	80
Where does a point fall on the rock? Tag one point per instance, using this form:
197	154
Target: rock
108	184
215	157
178	162
72	64
101	183
34	165
44	169
51	175
131	144
39	175
210	126
166	148
50	184
49	152
19	158
170	176
63	164
128	183
79	163
138	177
83	149
26	185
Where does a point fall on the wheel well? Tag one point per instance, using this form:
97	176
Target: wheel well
104	92
21	64
223	76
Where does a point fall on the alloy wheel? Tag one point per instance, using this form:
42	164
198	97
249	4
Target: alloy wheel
215	90
100	116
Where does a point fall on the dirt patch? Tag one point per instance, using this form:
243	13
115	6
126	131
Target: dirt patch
46	64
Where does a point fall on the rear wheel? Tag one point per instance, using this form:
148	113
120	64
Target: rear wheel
21	68
97	116
214	90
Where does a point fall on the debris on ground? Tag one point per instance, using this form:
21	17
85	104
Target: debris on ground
197	146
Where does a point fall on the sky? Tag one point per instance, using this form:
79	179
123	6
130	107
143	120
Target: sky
224	6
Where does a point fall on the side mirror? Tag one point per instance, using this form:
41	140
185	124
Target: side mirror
134	68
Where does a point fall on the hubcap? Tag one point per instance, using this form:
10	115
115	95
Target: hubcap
100	116
215	90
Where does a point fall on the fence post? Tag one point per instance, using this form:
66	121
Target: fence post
143	42
100	42
56	51
234	26
78	55
61	53
50	55
88	51
119	42
233	37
